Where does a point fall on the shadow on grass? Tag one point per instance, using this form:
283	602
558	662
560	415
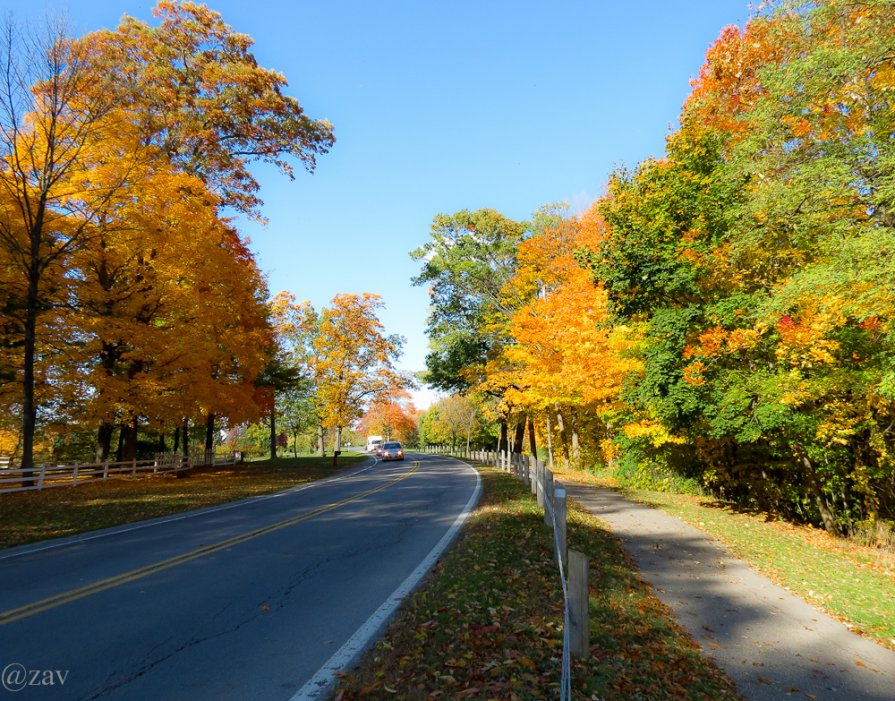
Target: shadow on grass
37	515
487	624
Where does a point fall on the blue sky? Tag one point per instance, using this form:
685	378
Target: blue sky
442	106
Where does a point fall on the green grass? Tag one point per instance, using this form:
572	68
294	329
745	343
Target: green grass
29	516
487	624
848	581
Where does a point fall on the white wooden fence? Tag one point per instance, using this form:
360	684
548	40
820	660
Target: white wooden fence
47	476
575	586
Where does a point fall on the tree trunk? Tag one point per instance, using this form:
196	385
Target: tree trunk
209	432
563	438
185	433
532	440
129	443
337	445
209	440
576	448
29	408
519	435
119	451
176	439
273	432
321	445
503	442
162	446
549	442
104	441
816	491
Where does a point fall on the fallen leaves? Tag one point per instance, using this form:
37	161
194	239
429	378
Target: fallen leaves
489	624
51	513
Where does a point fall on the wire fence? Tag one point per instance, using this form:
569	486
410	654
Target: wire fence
553	500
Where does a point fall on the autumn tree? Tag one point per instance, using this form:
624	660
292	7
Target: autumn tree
754	253
199	95
354	361
288	381
56	132
459	416
199	99
466	264
392	415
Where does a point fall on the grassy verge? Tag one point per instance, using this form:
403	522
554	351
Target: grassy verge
851	582
63	511
487	624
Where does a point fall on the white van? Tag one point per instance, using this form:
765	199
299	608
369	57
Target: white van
374	443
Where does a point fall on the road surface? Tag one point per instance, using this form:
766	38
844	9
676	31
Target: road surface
241	602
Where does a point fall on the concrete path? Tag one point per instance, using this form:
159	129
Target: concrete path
771	643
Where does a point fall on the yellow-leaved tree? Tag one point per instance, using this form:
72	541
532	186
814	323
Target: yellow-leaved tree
566	357
354	362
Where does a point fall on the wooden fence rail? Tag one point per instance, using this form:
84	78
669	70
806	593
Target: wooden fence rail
48	476
573	566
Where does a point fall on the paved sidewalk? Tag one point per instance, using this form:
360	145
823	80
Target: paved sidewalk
771	643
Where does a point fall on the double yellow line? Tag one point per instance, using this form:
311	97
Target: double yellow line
71	595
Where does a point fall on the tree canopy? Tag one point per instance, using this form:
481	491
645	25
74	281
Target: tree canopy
723	313
127	294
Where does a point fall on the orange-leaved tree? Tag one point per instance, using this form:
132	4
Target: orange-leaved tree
566	356
392	415
354	362
199	95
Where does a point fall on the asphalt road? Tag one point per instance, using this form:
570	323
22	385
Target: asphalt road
244	602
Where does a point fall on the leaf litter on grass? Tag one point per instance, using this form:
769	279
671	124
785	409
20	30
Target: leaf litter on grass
847	580
487	622
50	513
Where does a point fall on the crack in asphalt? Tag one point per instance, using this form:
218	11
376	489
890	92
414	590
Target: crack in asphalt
149	665
274	602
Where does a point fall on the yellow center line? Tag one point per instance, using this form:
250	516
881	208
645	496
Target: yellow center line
71	595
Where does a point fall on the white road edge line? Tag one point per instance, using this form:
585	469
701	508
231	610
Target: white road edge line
22	550
323	681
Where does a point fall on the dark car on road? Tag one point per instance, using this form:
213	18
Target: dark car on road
392	451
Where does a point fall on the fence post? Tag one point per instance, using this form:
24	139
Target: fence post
579	604
538	486
559	515
74	475
548	497
526	468
40	478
